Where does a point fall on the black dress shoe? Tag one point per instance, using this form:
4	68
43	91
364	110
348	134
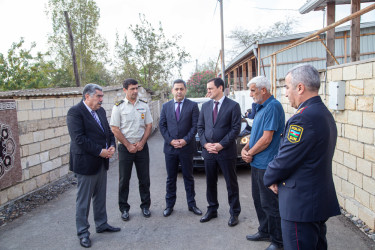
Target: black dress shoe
125	216
258	237
168	211
108	228
208	216
195	210
273	246
146	212
233	220
85	242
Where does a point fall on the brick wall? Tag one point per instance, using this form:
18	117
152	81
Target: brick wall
45	141
354	159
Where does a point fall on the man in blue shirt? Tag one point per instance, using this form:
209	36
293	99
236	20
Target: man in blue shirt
264	142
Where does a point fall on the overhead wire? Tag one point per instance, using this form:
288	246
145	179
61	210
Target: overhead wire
206	38
260	8
217	1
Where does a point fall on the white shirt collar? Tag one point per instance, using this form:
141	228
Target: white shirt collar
221	100
175	101
88	108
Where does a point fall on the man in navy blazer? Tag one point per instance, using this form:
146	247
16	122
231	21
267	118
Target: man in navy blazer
219	124
178	125
301	172
92	144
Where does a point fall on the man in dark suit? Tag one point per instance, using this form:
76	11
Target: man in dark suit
301	172
219	124
178	125
92	144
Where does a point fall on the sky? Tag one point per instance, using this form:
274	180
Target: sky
197	21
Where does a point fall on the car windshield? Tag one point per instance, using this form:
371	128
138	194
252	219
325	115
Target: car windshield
200	105
243	125
200	101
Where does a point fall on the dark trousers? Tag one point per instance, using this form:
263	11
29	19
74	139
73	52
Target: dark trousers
266	206
172	161
91	187
228	168
141	160
304	235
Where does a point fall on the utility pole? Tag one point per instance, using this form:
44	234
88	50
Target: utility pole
222	42
76	75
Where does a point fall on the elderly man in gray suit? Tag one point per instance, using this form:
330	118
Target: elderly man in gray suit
92	144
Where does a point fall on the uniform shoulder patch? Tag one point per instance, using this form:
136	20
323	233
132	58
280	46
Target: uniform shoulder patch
119	102
294	133
143	101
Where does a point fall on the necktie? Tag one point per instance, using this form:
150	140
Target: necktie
178	111
97	119
214	113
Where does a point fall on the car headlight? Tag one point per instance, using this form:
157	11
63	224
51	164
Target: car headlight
245	139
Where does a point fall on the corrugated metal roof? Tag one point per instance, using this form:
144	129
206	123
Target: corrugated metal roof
320	4
302	35
14	94
282	56
242	55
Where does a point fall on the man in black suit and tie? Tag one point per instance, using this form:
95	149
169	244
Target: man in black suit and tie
92	144
178	125
219	124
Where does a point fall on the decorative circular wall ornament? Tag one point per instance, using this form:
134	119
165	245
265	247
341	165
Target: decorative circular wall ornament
7	149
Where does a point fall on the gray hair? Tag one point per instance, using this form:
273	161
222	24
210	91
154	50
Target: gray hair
260	82
90	89
306	74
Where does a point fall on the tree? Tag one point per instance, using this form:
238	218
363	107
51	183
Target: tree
91	49
244	38
21	70
210	65
197	83
152	59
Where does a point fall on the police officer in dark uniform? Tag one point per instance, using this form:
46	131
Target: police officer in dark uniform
301	172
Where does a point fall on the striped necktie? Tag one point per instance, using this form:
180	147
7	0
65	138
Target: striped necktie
97	119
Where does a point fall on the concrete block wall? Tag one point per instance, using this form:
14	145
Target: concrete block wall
354	159
45	141
156	107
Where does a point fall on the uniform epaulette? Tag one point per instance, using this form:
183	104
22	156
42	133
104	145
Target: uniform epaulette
143	101
301	110
119	102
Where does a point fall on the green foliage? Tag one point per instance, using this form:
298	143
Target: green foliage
209	65
152	59
197	83
21	70
91	49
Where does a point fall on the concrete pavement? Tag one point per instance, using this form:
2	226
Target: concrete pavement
52	226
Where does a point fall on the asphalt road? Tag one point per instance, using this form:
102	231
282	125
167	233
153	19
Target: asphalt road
52	226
